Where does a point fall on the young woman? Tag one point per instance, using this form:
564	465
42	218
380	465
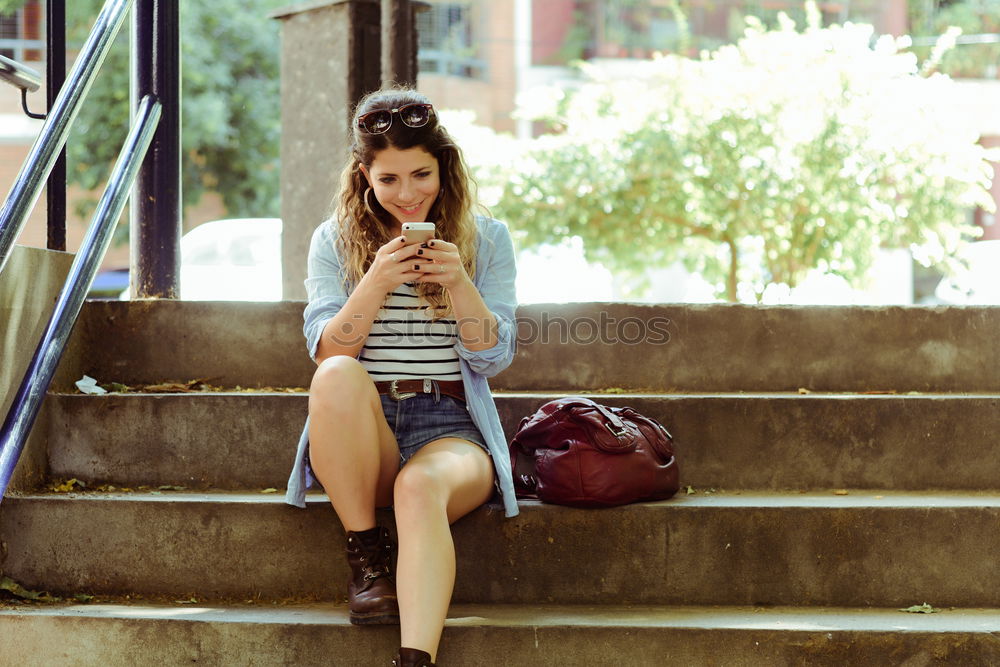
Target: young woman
405	335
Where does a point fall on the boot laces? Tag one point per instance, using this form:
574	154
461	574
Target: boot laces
380	566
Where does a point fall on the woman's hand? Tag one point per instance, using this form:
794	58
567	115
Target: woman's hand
438	261
393	264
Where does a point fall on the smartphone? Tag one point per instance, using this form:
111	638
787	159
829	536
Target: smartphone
418	232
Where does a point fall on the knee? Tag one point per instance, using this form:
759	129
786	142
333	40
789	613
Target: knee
418	489
337	380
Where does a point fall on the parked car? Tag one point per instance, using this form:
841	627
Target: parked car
237	259
108	284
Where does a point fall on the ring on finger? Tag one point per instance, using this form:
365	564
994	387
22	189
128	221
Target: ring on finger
441	268
392	256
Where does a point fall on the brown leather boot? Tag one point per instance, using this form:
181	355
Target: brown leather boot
411	657
371	591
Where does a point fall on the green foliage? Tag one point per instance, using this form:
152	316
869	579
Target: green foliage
575	42
789	151
973	17
10	6
628	24
230	95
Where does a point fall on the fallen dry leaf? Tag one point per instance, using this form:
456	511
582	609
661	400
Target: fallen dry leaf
16	589
67	486
921	609
186	387
177	387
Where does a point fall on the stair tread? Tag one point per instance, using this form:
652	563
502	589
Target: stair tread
788	618
730	549
702	347
859	498
727	441
551	394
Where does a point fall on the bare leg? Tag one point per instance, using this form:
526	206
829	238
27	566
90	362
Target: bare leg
443	482
351	448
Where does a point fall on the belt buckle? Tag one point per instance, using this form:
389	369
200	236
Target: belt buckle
394	392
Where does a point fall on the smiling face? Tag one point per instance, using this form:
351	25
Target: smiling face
406	182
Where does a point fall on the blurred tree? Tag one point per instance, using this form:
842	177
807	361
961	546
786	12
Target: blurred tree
230	64
787	152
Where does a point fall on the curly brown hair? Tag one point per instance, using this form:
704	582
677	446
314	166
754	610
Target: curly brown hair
363	228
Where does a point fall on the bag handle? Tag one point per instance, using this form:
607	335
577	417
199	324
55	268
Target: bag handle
612	422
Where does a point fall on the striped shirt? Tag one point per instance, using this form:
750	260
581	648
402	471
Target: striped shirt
404	343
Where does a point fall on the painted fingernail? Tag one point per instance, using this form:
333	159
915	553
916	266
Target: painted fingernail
431	243
420	252
416	267
402	239
423	245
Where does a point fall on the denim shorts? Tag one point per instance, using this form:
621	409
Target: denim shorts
420	420
424	418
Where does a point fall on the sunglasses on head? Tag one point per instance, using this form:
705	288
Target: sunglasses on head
412	115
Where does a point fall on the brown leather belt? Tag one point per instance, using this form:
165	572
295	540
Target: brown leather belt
401	389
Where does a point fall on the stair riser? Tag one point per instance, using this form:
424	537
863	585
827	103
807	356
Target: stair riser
247	441
682	552
697	348
84	642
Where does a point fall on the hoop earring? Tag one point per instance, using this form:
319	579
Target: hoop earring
367	207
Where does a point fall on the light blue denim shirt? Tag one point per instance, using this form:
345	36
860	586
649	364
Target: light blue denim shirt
327	289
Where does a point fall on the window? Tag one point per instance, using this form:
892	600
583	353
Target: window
449	40
21	33
8	34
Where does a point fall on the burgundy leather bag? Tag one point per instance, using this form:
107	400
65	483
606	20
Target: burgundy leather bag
576	452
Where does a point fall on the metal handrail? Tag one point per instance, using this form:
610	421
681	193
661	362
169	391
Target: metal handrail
23	77
28	186
982	38
19	75
38	376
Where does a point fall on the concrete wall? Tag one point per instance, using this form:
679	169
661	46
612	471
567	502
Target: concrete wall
316	106
29	286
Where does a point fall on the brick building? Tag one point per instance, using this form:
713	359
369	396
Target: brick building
479	55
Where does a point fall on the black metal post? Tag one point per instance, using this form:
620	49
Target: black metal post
155	226
55	76
399	45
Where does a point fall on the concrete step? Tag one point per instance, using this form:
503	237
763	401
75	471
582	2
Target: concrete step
674	347
305	635
859	549
729	441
